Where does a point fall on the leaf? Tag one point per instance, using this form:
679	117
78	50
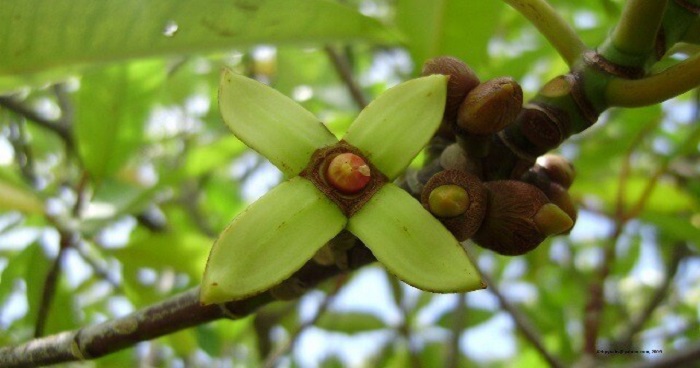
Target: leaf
271	123
112	108
15	197
472	317
458	28
60	36
412	244
399	123
349	322
207	157
269	241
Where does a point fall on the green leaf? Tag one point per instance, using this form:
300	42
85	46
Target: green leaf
15	197
448	27
271	123
412	244
269	241
399	123
112	108
61	36
350	322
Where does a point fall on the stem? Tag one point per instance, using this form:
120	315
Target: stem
657	88
344	70
634	38
682	358
625	340
553	27
456	331
522	323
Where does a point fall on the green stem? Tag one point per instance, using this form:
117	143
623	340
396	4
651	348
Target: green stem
552	26
634	37
656	88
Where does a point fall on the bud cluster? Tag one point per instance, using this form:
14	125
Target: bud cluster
510	217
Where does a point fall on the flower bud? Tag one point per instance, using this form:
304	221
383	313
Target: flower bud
491	106
462	80
448	201
558	169
518	218
457	199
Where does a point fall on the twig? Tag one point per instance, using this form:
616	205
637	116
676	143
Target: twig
31	115
457	327
341	65
553	27
636	324
99	270
50	284
682	358
23	152
522	323
635	34
656	88
273	358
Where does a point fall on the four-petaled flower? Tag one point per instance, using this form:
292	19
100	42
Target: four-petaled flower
334	185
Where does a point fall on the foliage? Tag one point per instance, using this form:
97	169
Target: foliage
116	133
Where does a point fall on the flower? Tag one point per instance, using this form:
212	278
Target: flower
276	235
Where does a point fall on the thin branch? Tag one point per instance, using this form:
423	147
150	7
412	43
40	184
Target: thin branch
273	359
31	115
553	27
686	357
635	34
522	323
636	324
342	67
656	88
50	284
456	331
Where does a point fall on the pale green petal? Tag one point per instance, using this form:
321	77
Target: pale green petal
412	244
269	241
399	123
271	123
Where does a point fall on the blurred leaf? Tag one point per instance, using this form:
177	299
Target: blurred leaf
60	36
350	322
112	107
207	157
473	317
674	227
448	27
15	197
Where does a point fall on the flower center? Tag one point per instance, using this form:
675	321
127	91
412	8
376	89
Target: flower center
348	173
344	175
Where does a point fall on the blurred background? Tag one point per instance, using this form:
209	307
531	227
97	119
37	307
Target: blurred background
117	173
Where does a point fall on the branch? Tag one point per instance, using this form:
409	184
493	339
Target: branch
636	323
342	67
634	37
456	331
49	289
522	323
177	313
553	27
31	115
682	358
656	88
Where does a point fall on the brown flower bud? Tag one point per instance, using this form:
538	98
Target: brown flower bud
558	169
462	218
491	106
462	80
560	196
518	218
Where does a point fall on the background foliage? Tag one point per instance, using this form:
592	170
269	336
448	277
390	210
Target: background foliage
128	157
